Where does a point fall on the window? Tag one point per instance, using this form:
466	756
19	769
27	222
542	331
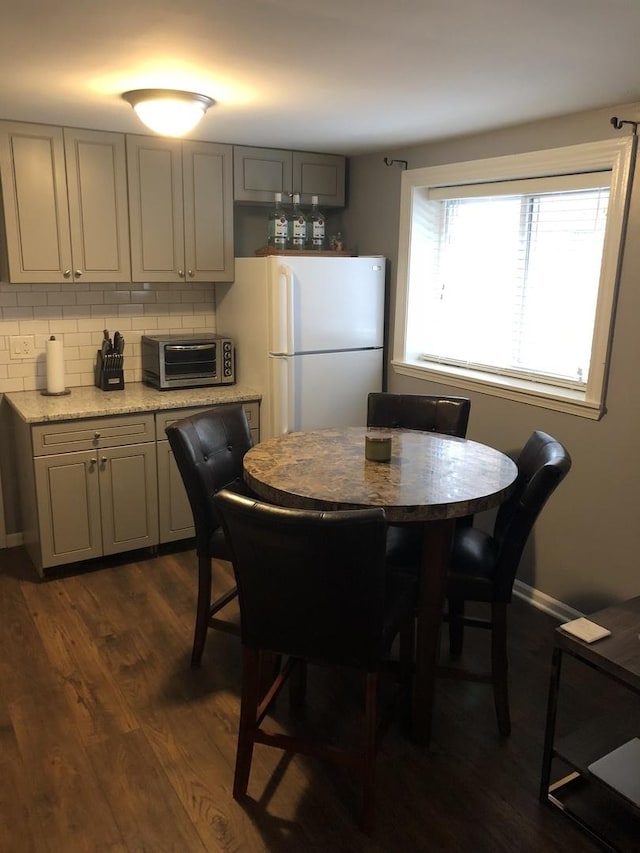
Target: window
507	273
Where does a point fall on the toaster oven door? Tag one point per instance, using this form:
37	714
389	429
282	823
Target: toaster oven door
190	364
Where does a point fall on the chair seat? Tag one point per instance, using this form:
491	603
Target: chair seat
474	563
400	602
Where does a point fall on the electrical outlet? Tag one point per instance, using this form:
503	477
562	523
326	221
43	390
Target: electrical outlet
22	346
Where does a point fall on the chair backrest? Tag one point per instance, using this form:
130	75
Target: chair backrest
427	412
310	584
542	465
209	448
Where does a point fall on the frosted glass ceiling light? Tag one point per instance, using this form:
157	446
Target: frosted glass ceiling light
168	111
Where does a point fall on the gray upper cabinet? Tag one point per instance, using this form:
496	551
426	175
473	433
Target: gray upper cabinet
181	210
98	209
65	204
261	172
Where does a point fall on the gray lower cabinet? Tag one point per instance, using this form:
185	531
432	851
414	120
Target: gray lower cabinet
89	488
96	503
174	512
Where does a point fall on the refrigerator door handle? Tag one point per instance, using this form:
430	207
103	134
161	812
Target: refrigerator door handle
281	312
281	395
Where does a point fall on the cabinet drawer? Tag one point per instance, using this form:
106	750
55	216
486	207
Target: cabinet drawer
68	436
164	419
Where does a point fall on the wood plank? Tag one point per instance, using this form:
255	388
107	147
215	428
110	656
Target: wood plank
145	806
95	703
67	805
110	741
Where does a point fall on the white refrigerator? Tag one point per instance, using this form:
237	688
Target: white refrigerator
309	337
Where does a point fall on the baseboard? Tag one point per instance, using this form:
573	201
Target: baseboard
558	609
14	540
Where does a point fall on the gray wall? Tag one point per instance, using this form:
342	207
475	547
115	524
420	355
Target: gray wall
584	550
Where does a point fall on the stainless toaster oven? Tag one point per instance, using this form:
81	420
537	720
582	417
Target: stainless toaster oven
187	361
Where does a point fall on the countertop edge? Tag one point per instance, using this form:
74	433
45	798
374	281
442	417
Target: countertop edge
88	402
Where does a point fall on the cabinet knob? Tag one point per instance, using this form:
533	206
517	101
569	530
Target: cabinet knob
93	461
104	460
181	273
96	435
78	273
191	273
67	273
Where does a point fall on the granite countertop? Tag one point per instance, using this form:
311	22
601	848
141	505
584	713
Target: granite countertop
429	476
89	401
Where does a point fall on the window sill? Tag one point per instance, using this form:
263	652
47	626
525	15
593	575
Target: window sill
522	391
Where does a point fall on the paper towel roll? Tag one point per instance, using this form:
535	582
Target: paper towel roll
55	366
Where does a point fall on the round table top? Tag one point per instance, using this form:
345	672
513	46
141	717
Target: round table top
429	476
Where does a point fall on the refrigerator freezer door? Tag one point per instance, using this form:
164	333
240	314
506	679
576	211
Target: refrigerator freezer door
325	304
321	390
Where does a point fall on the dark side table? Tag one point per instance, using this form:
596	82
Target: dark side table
605	804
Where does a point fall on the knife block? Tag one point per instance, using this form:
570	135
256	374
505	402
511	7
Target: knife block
109	375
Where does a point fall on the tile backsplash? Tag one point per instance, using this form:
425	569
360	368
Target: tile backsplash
77	313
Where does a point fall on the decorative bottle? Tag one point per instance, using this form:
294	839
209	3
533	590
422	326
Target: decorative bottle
297	225
277	230
316	226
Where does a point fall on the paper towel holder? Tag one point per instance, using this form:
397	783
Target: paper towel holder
63	393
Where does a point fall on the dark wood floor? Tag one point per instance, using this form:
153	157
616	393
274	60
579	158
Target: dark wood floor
110	742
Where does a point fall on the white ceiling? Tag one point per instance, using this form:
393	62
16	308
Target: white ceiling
343	76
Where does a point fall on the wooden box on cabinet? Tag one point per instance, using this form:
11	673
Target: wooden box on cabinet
175	516
65	204
88	488
261	172
181	210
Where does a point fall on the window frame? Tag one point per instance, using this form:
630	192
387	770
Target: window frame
615	156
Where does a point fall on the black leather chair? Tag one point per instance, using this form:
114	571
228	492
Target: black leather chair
208	449
313	586
428	412
484	565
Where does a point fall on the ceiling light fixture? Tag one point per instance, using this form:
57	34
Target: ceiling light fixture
168	111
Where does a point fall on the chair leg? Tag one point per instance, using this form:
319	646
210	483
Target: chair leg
407	655
248	717
270	666
500	666
202	609
298	686
368	769
456	626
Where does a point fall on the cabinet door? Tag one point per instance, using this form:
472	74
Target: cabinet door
154	169
258	173
175	516
128	497
98	211
208	211
34	192
319	174
68	506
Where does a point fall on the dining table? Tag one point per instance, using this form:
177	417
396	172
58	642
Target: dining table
430	479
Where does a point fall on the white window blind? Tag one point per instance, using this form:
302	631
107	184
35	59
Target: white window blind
515	270
507	273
